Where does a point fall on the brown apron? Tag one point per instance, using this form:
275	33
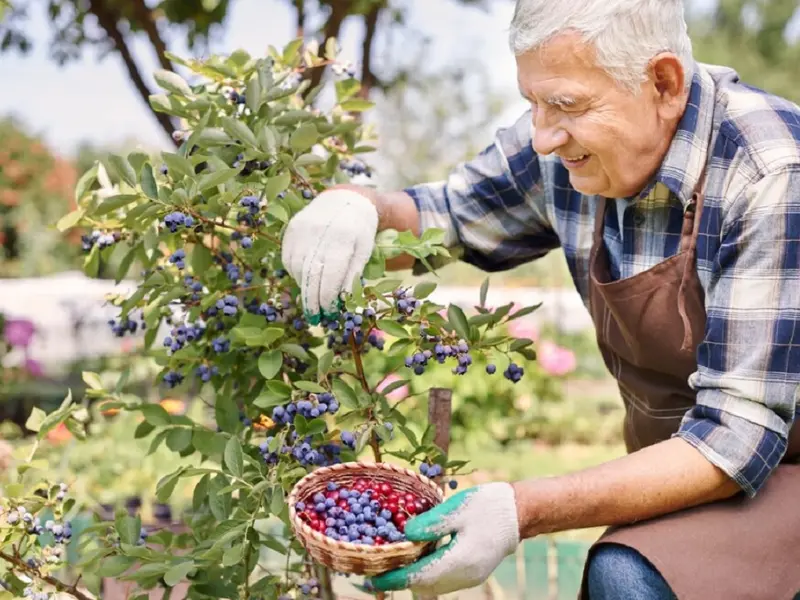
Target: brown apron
648	328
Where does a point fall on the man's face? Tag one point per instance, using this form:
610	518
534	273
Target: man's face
610	140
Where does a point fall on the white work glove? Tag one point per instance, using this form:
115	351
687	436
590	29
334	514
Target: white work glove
326	245
483	523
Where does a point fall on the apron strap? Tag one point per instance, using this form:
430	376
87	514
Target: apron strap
691	230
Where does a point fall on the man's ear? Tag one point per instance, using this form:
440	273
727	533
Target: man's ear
667	80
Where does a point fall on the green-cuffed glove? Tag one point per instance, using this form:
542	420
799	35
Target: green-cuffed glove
483	523
326	245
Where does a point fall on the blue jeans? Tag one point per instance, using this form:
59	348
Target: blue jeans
617	572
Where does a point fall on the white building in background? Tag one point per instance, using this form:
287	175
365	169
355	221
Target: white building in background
71	313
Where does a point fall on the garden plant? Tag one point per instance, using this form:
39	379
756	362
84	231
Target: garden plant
199	229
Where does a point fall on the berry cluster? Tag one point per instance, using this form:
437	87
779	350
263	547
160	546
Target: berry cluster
221	345
325	403
229	305
459	351
236	97
194	285
205	373
369	513
355	167
29	592
302	451
405	303
178	336
173	378
430	470
269	311
514	372
251	165
178	258
102	240
175	220
352	326
120	326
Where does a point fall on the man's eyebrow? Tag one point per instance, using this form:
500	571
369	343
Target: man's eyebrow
554	99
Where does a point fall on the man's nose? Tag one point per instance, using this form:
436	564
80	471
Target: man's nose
547	135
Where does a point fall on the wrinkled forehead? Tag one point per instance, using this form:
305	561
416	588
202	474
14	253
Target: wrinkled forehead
561	72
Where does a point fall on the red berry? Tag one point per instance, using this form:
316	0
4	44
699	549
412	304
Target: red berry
410	498
379	541
411	508
385	488
401	502
392	507
361	482
419	506
425	503
393	497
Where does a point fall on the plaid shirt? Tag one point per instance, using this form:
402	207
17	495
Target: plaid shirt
509	206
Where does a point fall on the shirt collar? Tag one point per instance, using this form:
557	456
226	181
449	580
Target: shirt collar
686	157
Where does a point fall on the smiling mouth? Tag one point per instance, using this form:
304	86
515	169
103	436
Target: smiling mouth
575	160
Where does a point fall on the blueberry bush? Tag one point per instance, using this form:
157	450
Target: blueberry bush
224	321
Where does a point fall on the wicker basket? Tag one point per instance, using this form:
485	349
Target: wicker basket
358	559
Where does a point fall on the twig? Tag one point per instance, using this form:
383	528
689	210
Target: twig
59	585
373	442
368	78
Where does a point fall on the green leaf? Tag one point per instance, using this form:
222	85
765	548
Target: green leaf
234	458
392	328
356	105
210	180
122	168
239	131
113	203
166	485
172	82
484	291
149	185
218	501
344	394
201	260
269	363
458	320
69	220
85	183
179	439
177	165
155	414
270	335
525	311
304	137
34	421
324	364
128	528
178	573
253	94
92	380
114	566
232	556
227	414
424	289
309	386
276	185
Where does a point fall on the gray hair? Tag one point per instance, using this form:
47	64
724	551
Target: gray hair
625	34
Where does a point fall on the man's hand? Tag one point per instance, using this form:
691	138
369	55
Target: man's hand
326	245
484	528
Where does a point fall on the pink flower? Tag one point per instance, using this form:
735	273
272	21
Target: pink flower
19	332
554	359
397	393
523	328
33	367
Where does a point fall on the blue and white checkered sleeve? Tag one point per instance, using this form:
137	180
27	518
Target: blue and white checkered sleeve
749	362
492	208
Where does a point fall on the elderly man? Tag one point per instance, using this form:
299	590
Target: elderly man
674	190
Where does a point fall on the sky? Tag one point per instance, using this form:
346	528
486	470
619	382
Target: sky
94	101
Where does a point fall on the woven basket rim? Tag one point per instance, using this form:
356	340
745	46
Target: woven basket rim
322	472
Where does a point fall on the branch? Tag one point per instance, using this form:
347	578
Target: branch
72	590
145	18
340	9
108	22
368	79
301	18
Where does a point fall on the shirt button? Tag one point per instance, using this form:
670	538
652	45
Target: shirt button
639	219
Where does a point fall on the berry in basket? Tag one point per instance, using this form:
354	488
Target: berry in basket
369	513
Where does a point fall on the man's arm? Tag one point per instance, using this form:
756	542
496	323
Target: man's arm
663	478
747	383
